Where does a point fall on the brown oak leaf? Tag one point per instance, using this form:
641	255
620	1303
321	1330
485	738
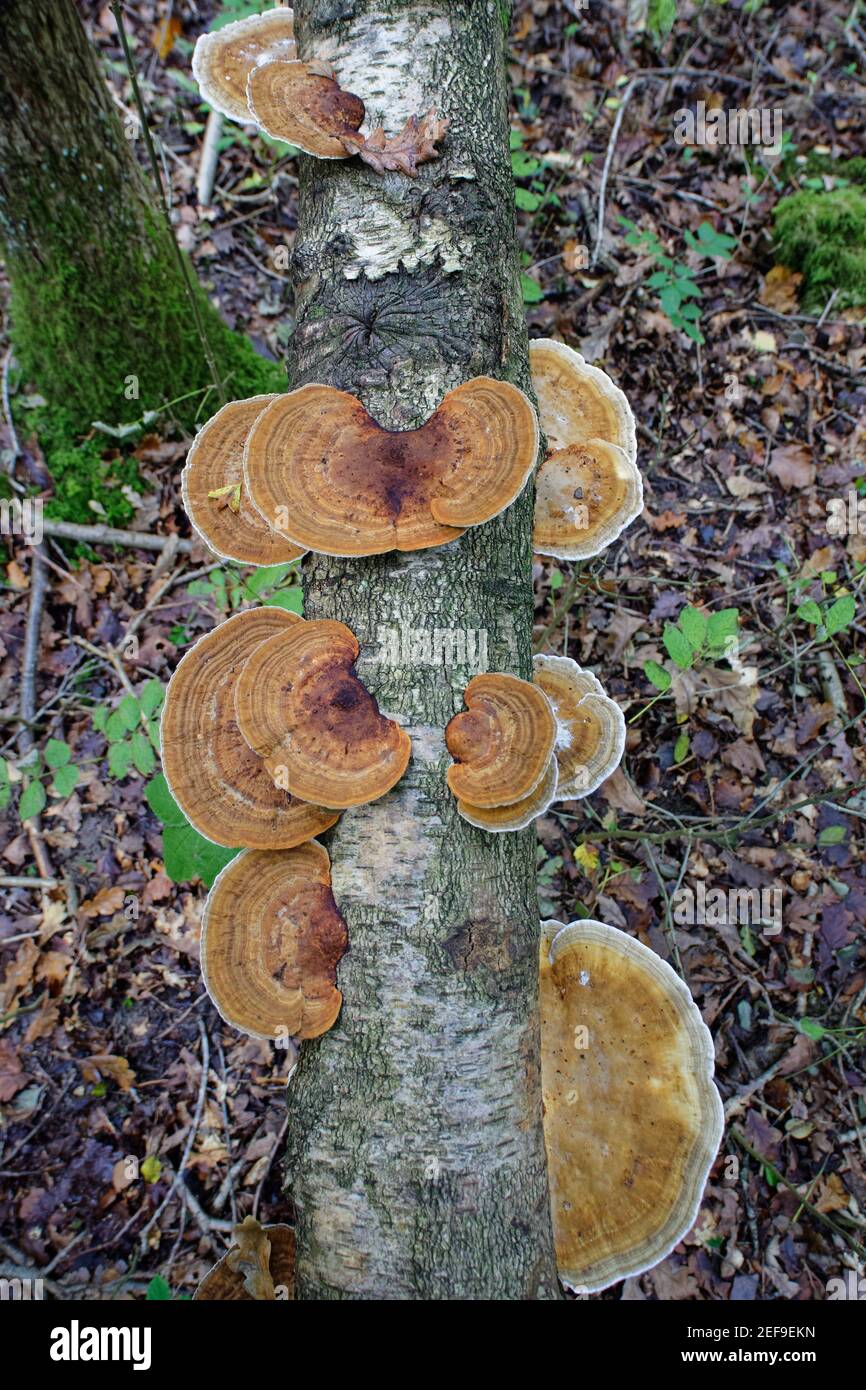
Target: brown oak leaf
416	144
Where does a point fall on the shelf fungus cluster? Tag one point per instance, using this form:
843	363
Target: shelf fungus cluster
588	489
632	1118
267	735
522	745
273	476
249	71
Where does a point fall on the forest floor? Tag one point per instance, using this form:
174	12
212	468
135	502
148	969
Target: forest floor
136	1126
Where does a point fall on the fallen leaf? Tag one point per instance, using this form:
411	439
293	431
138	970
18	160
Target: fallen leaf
739	485
763	341
107	1064
621	796
106	901
416	144
792	465
165	35
13	1078
780	289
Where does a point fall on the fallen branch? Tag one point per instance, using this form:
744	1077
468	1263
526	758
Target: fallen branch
109	535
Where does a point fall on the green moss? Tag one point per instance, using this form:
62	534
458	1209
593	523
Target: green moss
823	236
110	335
94	467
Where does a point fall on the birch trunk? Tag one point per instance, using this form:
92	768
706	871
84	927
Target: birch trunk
416	1154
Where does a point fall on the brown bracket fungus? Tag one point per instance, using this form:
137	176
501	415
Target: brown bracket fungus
578	402
258	1266
214	495
223	60
301	707
585	497
589	487
590	726
220	784
504	773
632	1118
326	475
272	936
520	813
303	104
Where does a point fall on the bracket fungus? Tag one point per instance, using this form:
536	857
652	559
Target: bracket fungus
303	104
272	936
214	495
258	1266
588	488
590	726
223	59
632	1118
302	708
219	783
578	402
504	773
327	476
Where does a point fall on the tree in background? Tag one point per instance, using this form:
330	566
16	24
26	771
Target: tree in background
102	321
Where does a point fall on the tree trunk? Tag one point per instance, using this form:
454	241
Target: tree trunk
101	320
416	1154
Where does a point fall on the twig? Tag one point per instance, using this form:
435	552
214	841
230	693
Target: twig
205	1222
209	158
608	160
186	274
21	881
109	535
27	707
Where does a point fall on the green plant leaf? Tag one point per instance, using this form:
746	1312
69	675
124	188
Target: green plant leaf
119	759
32	800
532	291
658	675
526	200
832	835
811	1028
694	624
115	727
188	855
153	726
129	711
98	718
840	614
721	627
809	612
143	755
157	1289
681	747
678	646
5	785
660	17
66	779
290	599
151	696
57	753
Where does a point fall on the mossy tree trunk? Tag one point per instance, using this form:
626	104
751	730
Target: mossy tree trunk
416	1155
99	310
